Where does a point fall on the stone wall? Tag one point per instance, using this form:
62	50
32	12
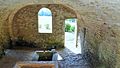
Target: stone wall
25	24
101	20
4	13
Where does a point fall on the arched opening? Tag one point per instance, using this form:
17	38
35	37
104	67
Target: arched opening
44	21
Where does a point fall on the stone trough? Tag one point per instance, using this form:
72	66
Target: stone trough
44	55
48	56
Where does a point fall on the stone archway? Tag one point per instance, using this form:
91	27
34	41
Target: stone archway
23	23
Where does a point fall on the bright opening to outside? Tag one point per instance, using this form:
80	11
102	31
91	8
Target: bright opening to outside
44	21
71	36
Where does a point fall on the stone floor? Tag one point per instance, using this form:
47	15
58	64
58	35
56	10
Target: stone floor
70	42
70	60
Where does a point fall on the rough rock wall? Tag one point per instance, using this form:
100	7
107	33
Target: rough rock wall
101	18
102	22
4	13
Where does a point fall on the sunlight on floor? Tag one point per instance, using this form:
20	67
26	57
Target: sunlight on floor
70	43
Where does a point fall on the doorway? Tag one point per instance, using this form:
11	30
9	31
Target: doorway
71	36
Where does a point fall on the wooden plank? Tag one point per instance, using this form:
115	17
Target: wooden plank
36	65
